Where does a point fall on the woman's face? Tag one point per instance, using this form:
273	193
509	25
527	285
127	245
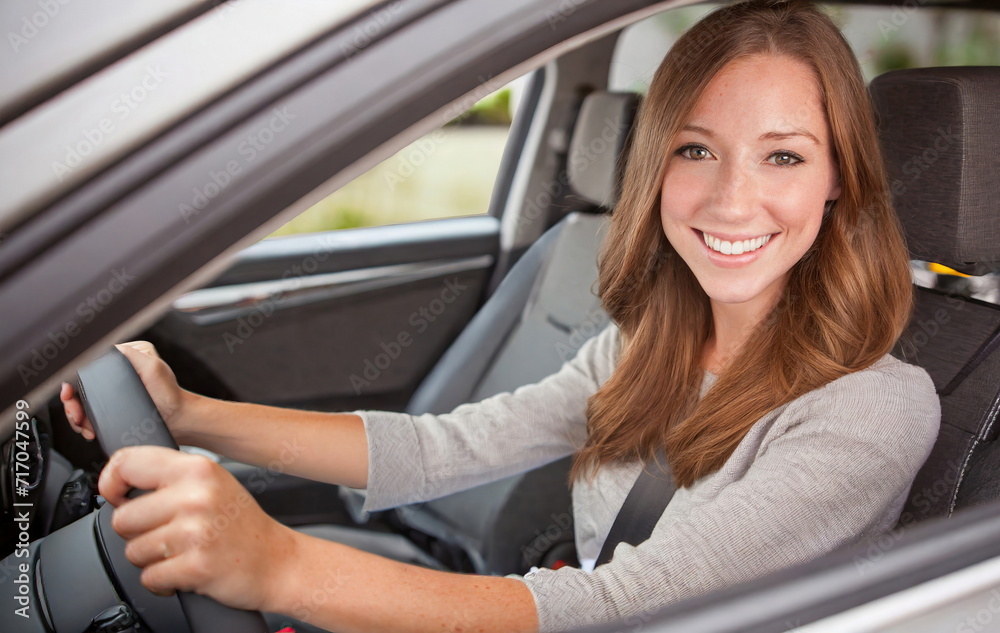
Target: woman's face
748	177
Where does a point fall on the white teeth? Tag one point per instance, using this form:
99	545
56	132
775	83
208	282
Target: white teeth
735	248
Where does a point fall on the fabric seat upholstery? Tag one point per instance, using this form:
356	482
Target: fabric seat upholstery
937	127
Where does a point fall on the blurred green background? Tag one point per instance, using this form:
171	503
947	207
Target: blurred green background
447	173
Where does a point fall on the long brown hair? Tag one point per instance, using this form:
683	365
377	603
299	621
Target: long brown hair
844	305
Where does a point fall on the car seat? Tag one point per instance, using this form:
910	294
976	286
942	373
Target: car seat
938	128
545	308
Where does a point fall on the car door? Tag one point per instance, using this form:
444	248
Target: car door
354	318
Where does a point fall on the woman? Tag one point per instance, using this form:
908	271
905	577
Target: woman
756	278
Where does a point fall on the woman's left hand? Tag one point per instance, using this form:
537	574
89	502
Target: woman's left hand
198	530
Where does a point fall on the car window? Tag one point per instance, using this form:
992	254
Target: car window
883	38
641	46
447	173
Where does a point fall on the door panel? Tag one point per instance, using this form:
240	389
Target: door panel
294	324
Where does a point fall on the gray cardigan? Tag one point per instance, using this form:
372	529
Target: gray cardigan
828	469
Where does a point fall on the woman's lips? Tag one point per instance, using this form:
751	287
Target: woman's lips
733	261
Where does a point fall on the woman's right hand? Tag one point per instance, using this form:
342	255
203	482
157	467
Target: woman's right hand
158	379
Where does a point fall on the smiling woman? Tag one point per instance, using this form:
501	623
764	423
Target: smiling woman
757	130
756	278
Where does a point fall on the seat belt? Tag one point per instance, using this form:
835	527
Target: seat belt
643	507
988	347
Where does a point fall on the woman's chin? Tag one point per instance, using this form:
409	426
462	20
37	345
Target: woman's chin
733	295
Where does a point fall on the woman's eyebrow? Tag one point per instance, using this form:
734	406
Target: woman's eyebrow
697	128
780	136
767	136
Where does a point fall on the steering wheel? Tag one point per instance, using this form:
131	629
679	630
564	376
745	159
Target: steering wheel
84	581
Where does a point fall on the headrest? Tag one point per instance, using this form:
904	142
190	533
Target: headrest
597	149
938	128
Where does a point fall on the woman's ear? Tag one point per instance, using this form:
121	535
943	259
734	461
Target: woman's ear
832	196
836	188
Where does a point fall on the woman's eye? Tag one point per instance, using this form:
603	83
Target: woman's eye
785	159
694	152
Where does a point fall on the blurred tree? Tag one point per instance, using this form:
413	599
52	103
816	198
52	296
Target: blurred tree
893	56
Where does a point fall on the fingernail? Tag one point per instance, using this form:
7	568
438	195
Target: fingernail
71	417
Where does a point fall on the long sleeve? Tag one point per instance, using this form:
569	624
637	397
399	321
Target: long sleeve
826	470
415	458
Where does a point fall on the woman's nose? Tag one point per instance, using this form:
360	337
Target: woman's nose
733	200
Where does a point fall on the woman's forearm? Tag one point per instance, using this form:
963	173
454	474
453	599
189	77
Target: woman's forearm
328	447
346	590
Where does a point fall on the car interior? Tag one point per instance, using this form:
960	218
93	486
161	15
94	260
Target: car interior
257	331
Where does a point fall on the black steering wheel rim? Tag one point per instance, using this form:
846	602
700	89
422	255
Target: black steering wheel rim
123	414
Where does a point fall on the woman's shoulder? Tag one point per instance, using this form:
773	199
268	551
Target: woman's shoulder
887	380
888	400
